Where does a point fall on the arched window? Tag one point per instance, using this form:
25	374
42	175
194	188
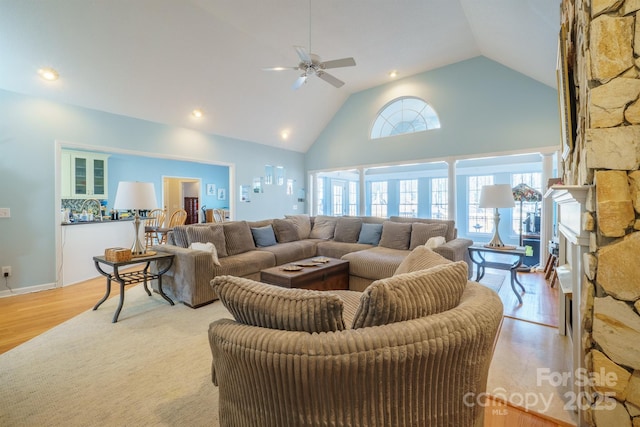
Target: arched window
404	115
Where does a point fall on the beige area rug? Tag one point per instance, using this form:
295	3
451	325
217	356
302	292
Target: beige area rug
491	281
523	368
152	368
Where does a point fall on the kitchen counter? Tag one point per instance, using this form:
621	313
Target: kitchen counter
83	241
104	221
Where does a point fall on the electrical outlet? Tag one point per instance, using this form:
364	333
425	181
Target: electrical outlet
6	271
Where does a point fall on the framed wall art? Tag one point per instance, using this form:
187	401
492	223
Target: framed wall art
222	194
268	174
279	175
257	185
244	193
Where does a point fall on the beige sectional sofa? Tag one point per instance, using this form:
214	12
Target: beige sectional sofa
243	248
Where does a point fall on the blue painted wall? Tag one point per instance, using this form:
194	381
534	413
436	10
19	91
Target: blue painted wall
123	167
483	107
29	129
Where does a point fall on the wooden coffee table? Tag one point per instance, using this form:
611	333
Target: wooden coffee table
331	275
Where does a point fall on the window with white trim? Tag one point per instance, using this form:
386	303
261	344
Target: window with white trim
353	198
408	198
439	198
320	196
404	115
379	198
337	194
480	219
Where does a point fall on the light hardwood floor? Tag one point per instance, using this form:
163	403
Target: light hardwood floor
539	306
23	317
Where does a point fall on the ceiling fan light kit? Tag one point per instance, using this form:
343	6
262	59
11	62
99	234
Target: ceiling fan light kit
311	64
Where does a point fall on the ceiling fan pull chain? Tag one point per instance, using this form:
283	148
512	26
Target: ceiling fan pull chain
310	26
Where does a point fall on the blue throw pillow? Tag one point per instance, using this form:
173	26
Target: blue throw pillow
370	234
264	236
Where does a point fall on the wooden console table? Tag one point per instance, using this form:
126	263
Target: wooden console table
133	277
477	254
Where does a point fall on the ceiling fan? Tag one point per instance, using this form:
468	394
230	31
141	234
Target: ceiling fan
311	64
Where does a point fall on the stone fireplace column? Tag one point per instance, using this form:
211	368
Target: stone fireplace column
603	52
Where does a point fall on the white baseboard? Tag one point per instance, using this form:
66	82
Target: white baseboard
26	290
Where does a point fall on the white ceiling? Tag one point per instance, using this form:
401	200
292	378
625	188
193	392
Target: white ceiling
159	59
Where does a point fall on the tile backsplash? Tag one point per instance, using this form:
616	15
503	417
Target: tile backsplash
75	206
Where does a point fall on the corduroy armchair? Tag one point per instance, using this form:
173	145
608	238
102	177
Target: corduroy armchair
419	359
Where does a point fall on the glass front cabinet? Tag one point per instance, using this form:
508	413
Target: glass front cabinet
84	175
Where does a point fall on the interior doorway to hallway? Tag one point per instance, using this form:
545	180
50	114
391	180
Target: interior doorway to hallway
182	193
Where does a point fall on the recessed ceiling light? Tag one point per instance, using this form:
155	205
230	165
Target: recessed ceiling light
197	113
48	74
393	74
284	134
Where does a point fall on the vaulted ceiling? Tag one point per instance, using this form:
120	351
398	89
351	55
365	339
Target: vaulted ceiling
157	60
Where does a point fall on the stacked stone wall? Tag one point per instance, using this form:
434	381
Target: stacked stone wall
603	47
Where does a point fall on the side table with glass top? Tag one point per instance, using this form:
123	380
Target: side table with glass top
132	277
478	254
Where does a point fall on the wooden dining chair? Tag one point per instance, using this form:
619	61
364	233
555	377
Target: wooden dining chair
179	217
154	221
219	215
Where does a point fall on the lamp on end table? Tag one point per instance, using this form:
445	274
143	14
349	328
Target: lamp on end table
496	196
135	196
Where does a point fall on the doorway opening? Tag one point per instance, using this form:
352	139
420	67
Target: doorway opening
182	193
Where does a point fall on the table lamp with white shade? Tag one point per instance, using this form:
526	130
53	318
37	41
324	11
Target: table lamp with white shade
135	196
496	196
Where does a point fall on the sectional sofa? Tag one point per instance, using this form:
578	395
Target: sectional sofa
374	247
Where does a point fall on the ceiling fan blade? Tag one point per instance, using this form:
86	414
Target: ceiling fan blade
330	79
303	54
337	63
299	82
279	68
